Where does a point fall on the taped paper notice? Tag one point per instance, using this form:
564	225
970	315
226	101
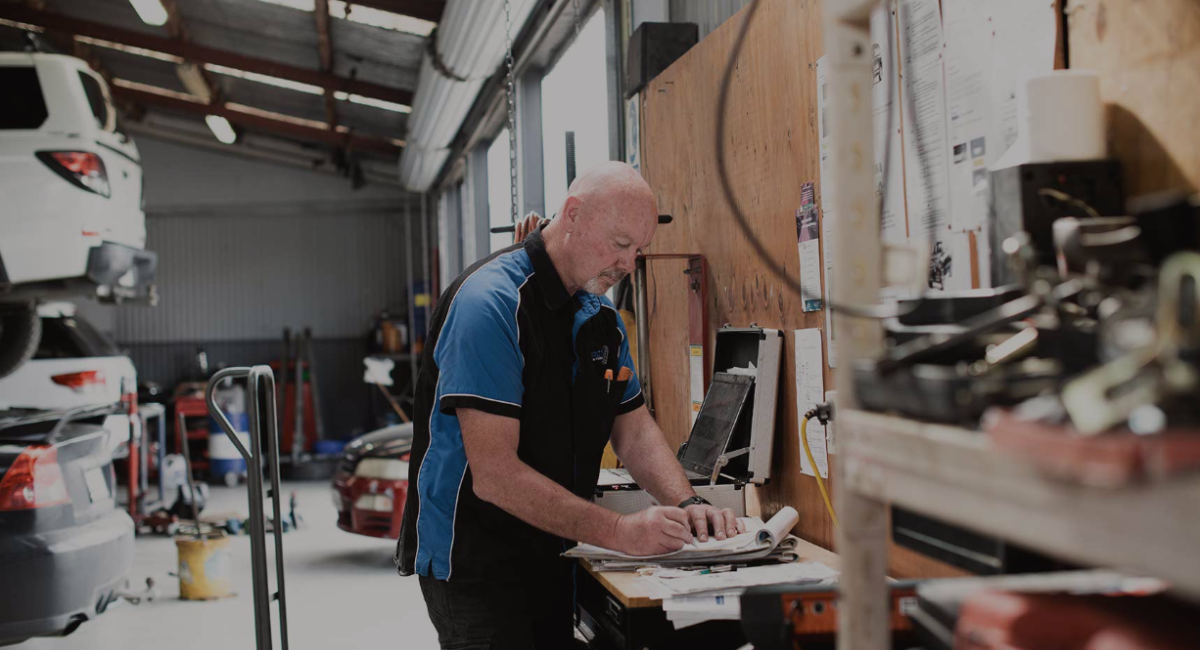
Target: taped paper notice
807	237
810	391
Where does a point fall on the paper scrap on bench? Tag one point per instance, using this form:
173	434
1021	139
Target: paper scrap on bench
797	572
810	390
756	542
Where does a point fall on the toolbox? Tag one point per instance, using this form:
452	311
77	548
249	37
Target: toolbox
731	441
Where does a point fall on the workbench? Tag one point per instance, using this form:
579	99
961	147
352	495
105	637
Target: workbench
618	611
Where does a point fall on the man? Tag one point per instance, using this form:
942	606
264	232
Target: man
526	375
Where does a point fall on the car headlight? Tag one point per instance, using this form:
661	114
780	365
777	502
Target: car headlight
389	469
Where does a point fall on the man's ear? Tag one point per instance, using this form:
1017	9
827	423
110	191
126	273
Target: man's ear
571	213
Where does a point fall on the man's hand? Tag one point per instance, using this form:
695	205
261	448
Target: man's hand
721	522
527	225
652	531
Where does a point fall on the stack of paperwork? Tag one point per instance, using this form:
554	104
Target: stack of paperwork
761	541
693	597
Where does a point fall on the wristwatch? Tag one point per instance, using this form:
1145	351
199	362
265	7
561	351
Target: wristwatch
693	501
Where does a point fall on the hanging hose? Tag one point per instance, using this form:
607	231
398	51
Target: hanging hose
816	472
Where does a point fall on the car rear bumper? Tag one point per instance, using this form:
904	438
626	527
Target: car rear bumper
55	579
361	521
114	273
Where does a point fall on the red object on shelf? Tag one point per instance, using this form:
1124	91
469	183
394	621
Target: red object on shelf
995	620
1106	460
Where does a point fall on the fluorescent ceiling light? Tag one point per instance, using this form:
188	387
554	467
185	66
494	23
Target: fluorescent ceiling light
150	11
221	128
291	119
23	26
129	49
364	15
370	101
265	79
157	90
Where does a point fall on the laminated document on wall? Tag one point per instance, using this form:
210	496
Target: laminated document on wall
925	160
810	391
827	208
809	245
992	48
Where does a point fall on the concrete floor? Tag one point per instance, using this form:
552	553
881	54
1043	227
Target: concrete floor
342	592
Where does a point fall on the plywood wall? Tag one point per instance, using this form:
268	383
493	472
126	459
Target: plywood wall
1148	57
772	150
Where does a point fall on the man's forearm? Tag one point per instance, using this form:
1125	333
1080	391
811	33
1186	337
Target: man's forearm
533	498
653	466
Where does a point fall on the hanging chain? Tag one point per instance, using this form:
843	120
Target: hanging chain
575	14
512	107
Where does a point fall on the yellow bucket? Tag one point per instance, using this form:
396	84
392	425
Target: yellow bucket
205	567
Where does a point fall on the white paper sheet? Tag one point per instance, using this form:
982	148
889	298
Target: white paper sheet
810	391
992	48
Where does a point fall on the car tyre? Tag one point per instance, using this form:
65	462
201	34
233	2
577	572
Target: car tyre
20	333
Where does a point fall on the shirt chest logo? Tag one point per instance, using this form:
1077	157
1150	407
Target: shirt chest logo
601	356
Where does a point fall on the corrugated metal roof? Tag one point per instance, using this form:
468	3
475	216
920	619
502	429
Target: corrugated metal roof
269	98
368	120
381	56
253	28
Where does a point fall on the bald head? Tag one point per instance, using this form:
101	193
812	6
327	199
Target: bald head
615	186
608	216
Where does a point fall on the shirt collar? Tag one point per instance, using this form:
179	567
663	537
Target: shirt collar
548	279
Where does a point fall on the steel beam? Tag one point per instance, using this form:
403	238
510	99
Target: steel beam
259	122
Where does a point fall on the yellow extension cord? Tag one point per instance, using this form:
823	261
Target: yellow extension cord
816	472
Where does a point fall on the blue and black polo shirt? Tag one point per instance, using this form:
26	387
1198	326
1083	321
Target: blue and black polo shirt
506	338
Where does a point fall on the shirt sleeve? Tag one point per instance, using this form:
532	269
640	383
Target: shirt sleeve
632	398
478	355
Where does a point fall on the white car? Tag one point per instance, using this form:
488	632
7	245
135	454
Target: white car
76	365
71	184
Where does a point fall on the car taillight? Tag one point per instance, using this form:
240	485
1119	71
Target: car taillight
33	481
82	169
81	382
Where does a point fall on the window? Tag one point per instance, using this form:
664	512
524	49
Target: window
95	97
70	338
23	106
499	190
575	98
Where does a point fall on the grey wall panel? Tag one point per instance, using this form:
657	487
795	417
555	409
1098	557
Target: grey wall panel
347	404
227	276
708	14
179	178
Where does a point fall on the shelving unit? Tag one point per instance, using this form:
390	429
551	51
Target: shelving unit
954	474
950	473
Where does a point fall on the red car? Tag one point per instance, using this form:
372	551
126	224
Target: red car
371	482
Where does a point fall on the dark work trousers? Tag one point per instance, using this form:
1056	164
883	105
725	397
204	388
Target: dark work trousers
534	613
